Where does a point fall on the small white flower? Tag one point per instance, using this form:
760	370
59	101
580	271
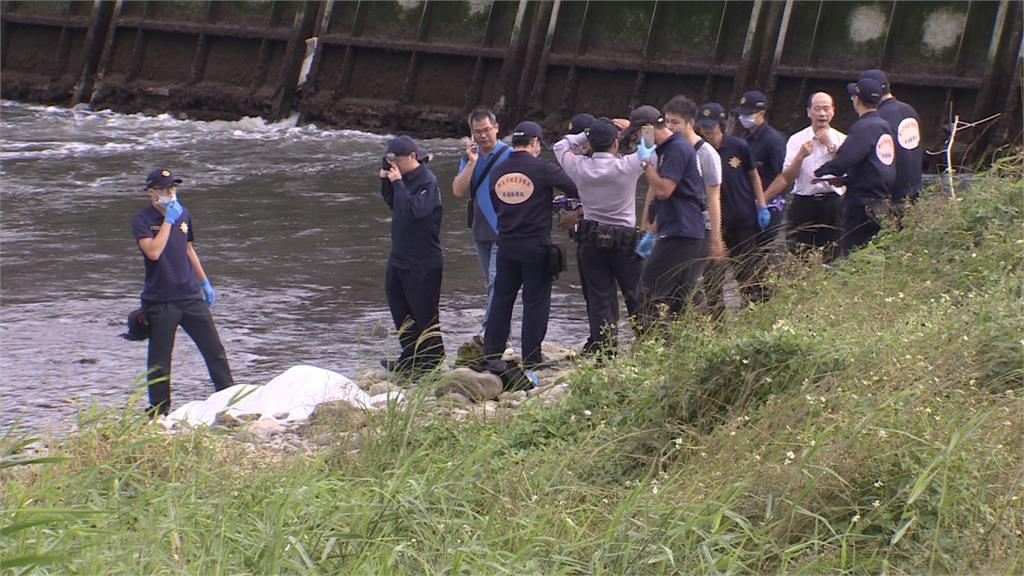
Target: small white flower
587	412
883	434
790	455
878	484
876	503
855	519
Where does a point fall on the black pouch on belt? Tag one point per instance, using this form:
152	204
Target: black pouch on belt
556	261
603	236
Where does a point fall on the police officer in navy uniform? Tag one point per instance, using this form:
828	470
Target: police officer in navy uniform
521	191
413	280
865	162
177	291
607	233
744	213
769	149
905	125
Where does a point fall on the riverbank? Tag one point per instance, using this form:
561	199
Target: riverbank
867	419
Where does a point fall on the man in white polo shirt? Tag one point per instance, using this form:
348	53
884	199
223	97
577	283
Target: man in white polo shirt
814	213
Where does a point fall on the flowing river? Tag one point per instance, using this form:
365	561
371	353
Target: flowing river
289	224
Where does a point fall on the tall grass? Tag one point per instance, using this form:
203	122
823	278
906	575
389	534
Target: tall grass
868	419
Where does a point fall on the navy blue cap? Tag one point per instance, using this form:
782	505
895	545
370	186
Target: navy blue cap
867	89
580	122
161	178
602	133
752	101
528	129
404	145
878	76
710	114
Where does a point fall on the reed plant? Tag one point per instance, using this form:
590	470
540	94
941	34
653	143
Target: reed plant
867	419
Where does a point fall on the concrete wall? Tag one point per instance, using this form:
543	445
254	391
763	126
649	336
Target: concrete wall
419	66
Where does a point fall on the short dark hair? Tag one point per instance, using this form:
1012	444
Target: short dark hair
481	114
680	106
606	148
522	141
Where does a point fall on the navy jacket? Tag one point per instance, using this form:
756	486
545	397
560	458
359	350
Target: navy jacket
415	203
906	128
867	157
521	190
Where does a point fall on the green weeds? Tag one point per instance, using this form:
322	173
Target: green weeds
866	420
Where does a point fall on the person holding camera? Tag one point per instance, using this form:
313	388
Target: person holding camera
521	191
607	232
177	291
413	279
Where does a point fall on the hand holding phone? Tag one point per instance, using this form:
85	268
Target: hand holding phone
647	135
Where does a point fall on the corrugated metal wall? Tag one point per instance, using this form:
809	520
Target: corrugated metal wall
419	66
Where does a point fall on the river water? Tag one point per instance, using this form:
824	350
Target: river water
290	227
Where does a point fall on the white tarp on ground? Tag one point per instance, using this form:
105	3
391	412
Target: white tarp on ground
291	396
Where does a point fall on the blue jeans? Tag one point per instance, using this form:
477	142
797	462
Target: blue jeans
487	252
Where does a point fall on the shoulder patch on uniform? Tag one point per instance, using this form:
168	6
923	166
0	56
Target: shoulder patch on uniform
908	134
514	188
735	162
885	149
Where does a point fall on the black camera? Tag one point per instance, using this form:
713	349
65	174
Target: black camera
385	165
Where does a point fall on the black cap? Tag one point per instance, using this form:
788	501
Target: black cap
867	89
878	76
580	122
752	101
642	116
161	178
710	114
528	129
602	133
404	145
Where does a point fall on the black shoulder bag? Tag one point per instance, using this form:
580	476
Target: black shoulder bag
483	176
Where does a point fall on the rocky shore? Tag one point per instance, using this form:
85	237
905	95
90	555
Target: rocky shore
459	393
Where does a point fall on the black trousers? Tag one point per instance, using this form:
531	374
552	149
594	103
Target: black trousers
860	224
194	316
815	221
521	264
669	277
745	259
600	270
413	297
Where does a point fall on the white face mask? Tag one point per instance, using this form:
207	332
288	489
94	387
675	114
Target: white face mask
164	200
747	121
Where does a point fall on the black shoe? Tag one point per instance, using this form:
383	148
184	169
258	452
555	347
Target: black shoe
393	366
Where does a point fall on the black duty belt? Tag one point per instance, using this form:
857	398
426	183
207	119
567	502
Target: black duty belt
605	235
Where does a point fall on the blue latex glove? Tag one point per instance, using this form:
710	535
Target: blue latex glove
764	217
643	152
174	212
208	292
646	244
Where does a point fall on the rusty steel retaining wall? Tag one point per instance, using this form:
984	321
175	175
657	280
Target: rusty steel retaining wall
420	66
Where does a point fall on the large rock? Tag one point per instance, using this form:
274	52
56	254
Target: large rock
261	430
477	386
